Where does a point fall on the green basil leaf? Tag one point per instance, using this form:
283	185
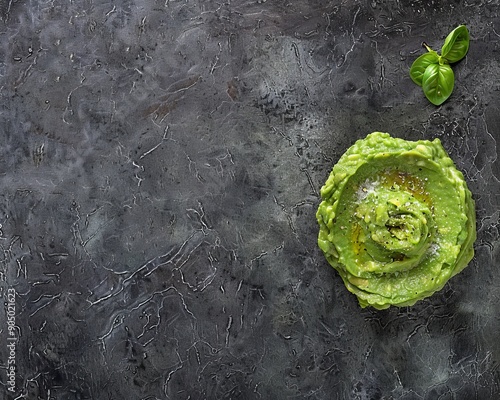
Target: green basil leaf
437	82
420	65
456	45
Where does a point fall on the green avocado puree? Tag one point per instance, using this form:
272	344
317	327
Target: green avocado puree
396	220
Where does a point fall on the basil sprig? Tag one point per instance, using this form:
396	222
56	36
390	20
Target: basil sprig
432	71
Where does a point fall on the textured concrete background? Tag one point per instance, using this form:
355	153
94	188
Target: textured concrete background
160	169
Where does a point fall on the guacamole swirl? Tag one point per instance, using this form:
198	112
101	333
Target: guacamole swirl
397	220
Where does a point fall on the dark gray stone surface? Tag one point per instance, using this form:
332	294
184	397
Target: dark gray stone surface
160	170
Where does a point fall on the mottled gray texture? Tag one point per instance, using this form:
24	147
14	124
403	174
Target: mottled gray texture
160	170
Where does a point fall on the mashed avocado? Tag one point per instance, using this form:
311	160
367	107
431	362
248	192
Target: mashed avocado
396	221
